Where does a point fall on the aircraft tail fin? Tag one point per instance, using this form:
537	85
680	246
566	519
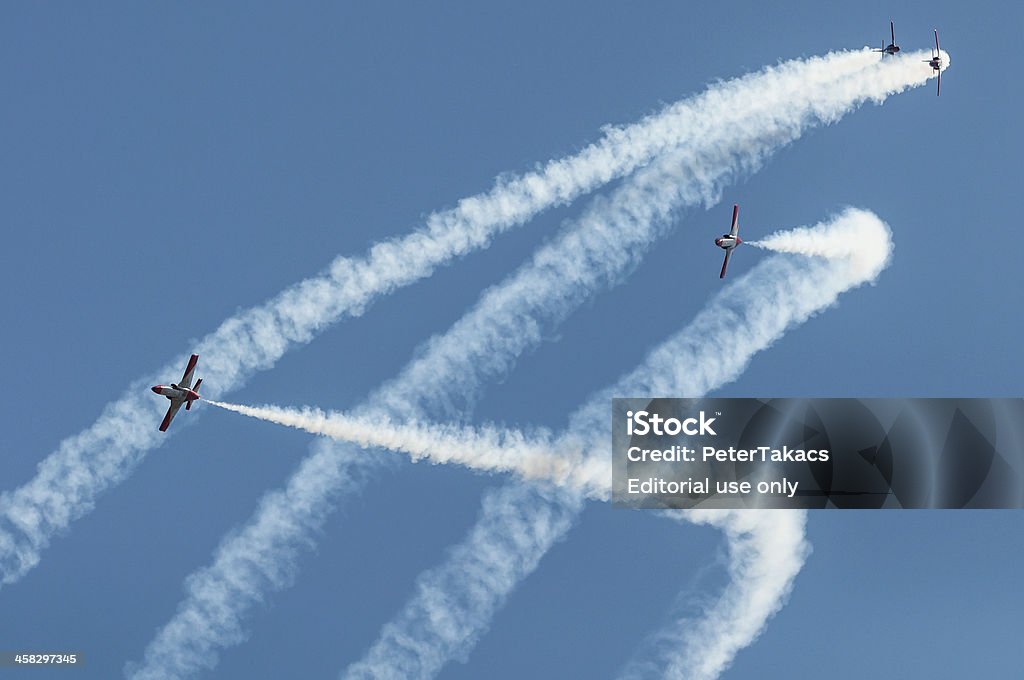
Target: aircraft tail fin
188	404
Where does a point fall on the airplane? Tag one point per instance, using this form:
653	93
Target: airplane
893	48
728	242
180	393
936	63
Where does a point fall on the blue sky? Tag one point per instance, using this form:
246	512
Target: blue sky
166	167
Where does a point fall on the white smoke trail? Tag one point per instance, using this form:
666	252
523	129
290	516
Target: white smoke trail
518	524
829	241
766	550
69	480
530	455
783	102
748	316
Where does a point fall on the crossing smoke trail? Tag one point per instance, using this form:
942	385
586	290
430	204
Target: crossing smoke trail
783	101
69	480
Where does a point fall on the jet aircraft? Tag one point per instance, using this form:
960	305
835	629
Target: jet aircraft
936	63
728	242
893	48
180	393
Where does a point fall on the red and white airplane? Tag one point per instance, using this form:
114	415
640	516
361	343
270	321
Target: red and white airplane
180	393
893	48
936	62
728	242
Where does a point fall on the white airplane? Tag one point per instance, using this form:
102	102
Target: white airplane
728	242
180	393
893	48
936	62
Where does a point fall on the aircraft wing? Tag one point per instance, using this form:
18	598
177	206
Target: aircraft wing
735	228
171	410
186	380
724	265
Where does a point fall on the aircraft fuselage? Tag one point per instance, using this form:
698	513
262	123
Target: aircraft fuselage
175	393
727	241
